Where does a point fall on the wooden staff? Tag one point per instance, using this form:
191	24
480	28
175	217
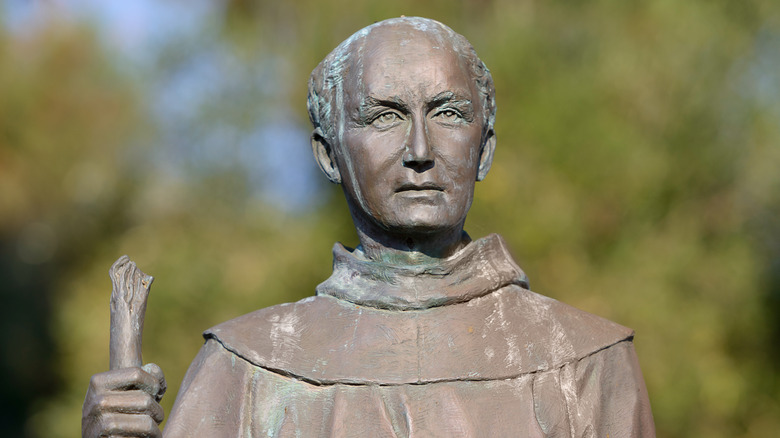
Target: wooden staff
128	306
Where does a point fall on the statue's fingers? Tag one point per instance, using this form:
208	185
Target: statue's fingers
130	402
126	425
127	402
157	373
126	379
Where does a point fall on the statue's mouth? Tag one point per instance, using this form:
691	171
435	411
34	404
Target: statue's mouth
412	187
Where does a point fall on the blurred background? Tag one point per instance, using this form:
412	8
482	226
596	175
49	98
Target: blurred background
637	177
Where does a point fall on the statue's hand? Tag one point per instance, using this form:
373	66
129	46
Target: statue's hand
124	403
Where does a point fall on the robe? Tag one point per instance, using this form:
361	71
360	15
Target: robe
462	348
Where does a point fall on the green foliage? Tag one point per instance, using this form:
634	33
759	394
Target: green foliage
635	178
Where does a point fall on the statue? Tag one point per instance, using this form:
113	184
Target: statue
419	331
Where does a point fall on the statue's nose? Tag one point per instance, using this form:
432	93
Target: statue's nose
418	154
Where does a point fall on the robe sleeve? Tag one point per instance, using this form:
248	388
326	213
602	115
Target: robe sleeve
212	397
606	395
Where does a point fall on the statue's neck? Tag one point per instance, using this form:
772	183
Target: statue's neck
410	248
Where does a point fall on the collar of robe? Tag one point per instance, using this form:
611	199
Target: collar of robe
470	318
481	267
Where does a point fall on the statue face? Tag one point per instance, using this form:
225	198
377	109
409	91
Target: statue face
411	133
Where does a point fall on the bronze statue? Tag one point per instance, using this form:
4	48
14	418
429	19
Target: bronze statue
419	331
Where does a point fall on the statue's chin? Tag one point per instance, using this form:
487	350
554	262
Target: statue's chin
399	219
420	228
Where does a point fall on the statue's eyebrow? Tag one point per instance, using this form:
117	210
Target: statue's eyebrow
455	100
370	102
450	97
370	105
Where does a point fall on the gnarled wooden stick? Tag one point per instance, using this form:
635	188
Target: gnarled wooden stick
128	306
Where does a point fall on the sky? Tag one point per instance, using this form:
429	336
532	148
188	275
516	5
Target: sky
274	150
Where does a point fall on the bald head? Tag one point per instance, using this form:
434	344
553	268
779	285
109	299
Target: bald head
327	82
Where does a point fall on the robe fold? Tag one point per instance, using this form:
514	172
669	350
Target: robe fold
458	349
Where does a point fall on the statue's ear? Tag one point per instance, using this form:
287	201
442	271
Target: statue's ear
325	156
486	155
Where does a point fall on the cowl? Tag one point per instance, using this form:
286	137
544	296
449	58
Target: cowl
481	267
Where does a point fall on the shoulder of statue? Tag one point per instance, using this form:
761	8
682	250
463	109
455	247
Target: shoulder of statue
287	338
282	319
510	332
582	332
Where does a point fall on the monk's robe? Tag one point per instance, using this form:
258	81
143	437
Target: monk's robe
457	349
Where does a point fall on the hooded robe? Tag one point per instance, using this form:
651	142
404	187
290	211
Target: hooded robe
457	349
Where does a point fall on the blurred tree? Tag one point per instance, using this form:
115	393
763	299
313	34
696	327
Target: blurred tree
636	178
66	117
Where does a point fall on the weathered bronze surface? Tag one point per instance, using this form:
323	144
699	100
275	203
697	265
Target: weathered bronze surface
419	331
128	308
124	401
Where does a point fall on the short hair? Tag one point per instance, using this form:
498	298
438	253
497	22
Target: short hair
326	81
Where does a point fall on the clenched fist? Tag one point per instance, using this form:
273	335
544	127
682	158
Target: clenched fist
124	403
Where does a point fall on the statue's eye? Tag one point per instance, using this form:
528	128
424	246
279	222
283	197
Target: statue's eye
449	115
386	119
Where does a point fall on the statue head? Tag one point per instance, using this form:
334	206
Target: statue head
403	114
